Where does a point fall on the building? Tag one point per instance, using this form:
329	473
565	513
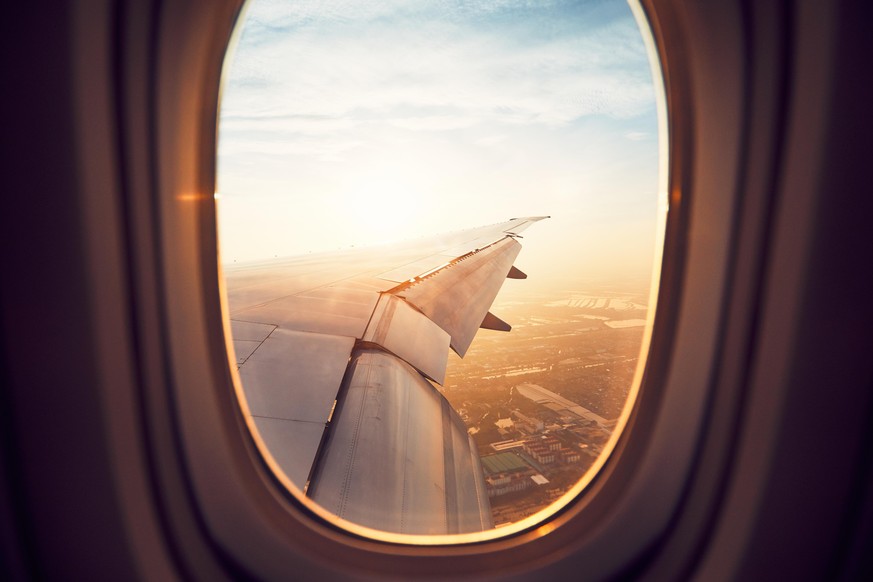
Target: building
558	404
506	473
527	424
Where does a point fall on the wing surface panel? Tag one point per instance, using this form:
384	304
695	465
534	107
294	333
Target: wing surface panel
471	247
293	444
243	349
247	336
295	375
247	330
414	269
328	310
265	292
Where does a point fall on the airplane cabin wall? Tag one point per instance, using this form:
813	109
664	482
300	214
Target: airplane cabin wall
124	455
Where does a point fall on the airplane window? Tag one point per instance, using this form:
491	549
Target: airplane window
440	229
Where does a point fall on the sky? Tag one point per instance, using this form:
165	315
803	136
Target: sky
351	123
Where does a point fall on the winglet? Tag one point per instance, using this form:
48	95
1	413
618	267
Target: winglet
515	273
491	321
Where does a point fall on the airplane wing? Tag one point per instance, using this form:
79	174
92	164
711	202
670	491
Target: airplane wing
337	354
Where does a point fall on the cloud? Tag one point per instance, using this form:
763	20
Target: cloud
332	61
489	140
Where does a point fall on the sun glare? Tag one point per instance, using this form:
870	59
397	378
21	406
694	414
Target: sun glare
382	203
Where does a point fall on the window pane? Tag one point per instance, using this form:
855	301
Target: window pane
362	147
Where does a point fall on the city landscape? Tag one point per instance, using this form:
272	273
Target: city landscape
542	400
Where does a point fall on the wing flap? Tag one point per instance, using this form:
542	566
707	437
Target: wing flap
410	335
397	457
